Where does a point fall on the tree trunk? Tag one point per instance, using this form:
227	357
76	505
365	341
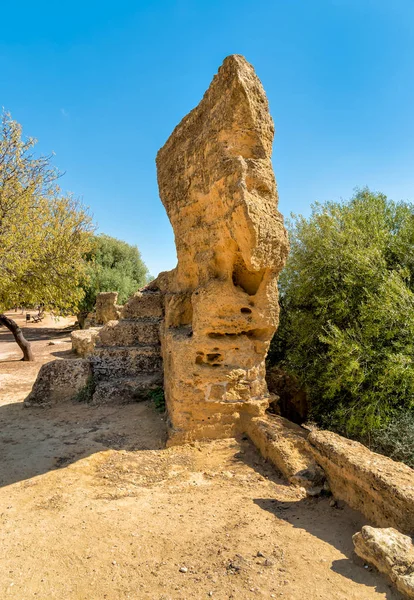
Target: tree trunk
18	336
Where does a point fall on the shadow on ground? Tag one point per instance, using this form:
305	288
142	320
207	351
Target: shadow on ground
34	441
10	352
35	334
308	514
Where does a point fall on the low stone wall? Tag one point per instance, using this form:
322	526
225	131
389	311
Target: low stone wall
378	487
285	445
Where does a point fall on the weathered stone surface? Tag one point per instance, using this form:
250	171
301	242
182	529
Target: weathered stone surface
83	340
380	488
391	552
126	390
128	361
106	308
285	445
130	333
89	321
59	381
216	182
124	356
143	304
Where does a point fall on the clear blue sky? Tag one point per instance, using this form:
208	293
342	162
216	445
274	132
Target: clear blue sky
102	84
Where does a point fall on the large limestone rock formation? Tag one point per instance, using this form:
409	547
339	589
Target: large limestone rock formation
221	305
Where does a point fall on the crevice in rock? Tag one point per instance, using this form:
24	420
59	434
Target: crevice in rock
248	281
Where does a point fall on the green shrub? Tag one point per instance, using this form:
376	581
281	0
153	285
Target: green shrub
158	398
113	265
347	319
87	392
396	439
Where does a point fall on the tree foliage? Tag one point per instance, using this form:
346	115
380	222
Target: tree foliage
43	233
347	319
113	265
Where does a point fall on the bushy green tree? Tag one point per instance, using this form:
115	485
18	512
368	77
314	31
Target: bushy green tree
44	234
347	319
113	265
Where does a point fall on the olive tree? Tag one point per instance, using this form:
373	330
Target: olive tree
44	234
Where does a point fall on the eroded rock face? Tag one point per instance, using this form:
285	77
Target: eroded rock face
221	306
391	552
59	381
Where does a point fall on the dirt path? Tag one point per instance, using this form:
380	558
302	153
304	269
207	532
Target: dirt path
92	507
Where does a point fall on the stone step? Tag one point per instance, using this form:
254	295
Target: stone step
126	390
143	304
126	361
128	332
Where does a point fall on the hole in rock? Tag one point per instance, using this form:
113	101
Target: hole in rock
248	281
216	335
247	311
214	357
258	334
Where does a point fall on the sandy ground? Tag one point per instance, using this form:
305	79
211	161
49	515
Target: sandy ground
93	507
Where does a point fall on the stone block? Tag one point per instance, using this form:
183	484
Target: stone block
143	304
130	333
83	341
59	381
389	551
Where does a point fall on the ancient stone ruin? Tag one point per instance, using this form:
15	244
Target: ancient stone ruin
202	330
214	315
122	360
106	309
221	305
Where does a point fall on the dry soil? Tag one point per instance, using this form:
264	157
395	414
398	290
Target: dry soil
93	507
